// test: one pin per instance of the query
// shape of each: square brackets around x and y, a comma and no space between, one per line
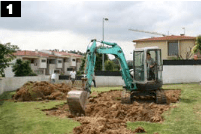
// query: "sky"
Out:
[71,25]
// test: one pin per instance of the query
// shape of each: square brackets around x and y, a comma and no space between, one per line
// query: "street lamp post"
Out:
[184,29]
[103,64]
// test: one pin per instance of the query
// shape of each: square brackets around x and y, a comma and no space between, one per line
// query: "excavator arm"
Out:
[115,50]
[77,99]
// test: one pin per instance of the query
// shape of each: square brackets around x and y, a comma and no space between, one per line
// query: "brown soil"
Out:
[140,130]
[35,91]
[106,115]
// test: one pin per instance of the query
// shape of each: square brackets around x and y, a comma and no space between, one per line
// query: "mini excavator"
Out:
[141,83]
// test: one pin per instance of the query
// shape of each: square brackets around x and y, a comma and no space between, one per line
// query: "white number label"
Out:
[10,8]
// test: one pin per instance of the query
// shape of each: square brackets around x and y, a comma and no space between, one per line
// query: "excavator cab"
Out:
[147,66]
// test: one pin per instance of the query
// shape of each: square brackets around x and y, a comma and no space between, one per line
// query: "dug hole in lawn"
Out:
[104,113]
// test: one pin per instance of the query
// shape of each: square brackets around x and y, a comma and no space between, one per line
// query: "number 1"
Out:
[10,8]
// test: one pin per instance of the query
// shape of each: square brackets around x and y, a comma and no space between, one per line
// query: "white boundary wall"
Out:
[13,83]
[181,73]
[109,81]
[171,74]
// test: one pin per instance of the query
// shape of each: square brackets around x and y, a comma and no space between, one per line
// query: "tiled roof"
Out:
[173,37]
[67,54]
[32,53]
[42,54]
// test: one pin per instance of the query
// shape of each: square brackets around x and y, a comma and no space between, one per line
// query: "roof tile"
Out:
[42,54]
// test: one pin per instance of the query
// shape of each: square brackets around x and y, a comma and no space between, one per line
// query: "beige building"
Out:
[171,46]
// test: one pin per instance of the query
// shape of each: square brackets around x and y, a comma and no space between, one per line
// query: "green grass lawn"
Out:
[184,119]
[27,117]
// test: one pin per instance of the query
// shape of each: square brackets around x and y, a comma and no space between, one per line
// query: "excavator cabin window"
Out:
[147,65]
[139,66]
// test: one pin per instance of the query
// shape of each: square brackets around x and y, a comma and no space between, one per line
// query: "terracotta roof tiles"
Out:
[67,54]
[31,53]
[42,54]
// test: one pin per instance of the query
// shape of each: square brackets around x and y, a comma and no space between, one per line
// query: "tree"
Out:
[109,65]
[117,64]
[197,47]
[82,64]
[6,56]
[98,65]
[22,68]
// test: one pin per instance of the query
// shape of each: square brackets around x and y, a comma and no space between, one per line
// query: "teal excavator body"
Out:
[137,85]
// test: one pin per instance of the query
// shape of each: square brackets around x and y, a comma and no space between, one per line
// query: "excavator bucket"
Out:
[76,101]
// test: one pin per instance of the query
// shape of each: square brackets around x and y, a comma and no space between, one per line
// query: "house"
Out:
[171,46]
[46,62]
[64,63]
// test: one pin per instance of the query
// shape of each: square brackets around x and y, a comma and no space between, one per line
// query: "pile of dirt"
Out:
[105,113]
[35,91]
[140,130]
[98,125]
[172,95]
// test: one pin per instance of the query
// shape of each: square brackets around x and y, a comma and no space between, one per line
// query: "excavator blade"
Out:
[76,101]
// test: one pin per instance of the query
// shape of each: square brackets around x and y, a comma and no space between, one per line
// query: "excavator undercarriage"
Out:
[158,96]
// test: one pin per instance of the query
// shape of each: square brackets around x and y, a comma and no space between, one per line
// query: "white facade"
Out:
[73,61]
[42,62]
[59,63]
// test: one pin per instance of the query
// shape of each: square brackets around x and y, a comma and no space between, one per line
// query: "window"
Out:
[139,65]
[59,61]
[139,58]
[69,69]
[43,60]
[57,71]
[32,60]
[173,48]
[73,59]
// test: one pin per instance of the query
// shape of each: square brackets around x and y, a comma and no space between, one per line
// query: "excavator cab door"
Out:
[154,65]
[147,66]
[139,66]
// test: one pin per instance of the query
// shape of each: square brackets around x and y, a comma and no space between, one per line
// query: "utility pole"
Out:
[103,64]
[184,29]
